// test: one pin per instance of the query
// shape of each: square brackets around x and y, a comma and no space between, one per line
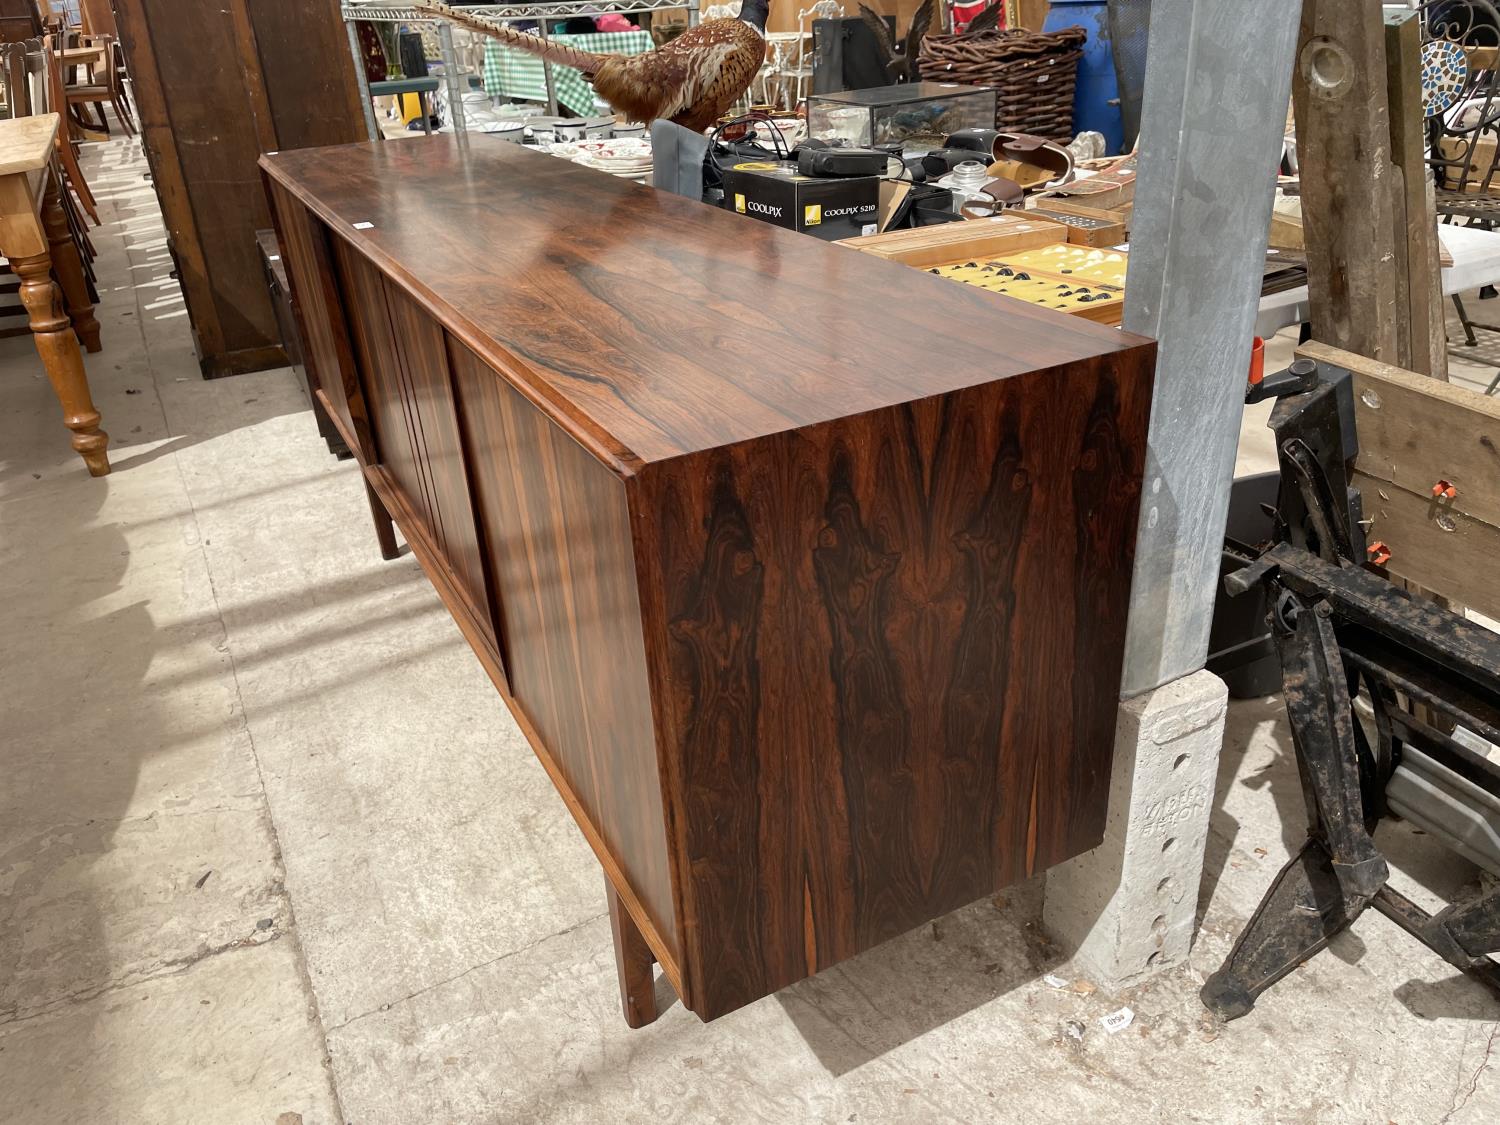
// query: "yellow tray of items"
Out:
[1016,262]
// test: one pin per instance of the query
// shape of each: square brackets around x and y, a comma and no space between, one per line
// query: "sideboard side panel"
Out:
[554,524]
[888,650]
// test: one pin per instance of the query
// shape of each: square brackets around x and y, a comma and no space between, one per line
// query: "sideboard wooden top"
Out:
[649,325]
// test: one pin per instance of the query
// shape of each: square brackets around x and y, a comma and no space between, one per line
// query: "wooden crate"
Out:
[1086,225]
[948,242]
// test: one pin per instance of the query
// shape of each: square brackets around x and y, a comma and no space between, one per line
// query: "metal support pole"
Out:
[456,82]
[692,12]
[545,33]
[364,83]
[1213,118]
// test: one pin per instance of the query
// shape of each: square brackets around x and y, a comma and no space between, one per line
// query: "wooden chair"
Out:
[99,25]
[52,98]
[98,88]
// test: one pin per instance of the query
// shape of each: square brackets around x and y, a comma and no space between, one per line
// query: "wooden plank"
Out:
[1031,14]
[394,445]
[319,73]
[202,76]
[252,75]
[1348,180]
[1421,336]
[1414,431]
[148,91]
[1433,544]
[423,347]
[935,245]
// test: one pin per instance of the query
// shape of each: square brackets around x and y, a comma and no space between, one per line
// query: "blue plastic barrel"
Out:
[1096,100]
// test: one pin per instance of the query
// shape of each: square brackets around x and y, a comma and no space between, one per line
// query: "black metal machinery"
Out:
[1429,679]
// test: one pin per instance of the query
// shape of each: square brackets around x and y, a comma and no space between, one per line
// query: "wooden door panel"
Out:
[319,310]
[424,350]
[554,522]
[395,447]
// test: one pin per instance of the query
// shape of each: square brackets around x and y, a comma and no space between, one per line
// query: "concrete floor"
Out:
[271,849]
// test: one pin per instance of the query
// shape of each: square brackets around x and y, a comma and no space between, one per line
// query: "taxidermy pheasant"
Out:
[900,61]
[692,80]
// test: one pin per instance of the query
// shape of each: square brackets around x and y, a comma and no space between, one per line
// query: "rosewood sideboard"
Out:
[804,573]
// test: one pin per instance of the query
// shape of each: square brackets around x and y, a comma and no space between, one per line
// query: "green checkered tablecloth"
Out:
[509,73]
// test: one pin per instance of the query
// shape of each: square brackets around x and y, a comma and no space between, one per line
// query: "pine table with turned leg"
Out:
[34,238]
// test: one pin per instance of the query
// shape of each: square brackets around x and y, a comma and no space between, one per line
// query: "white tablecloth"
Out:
[1476,262]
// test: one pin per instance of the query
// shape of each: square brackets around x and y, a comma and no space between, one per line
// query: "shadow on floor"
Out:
[897,992]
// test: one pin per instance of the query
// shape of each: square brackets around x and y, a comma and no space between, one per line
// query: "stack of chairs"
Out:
[31,83]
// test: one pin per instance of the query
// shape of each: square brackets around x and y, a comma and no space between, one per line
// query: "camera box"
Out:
[827,207]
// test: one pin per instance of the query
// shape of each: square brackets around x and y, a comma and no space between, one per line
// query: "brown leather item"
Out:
[1002,193]
[1030,161]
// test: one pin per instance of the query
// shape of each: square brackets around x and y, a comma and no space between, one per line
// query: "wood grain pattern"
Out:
[394,445]
[1349,184]
[864,724]
[648,325]
[1434,544]
[403,364]
[1414,431]
[557,534]
[318,306]
[808,571]
[633,962]
[311,93]
[434,420]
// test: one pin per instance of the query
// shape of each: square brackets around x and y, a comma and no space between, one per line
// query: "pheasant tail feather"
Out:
[586,61]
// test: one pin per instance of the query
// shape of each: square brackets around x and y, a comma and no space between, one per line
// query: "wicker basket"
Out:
[1033,74]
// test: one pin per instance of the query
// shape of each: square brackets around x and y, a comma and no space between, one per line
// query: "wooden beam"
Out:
[1442,550]
[1348,180]
[1414,431]
[1422,344]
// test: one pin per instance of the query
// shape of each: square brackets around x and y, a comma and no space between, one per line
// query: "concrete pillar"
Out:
[1126,908]
[1213,115]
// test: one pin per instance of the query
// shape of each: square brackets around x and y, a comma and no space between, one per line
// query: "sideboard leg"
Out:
[385,530]
[633,961]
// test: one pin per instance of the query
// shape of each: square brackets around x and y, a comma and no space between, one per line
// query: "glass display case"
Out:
[910,114]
